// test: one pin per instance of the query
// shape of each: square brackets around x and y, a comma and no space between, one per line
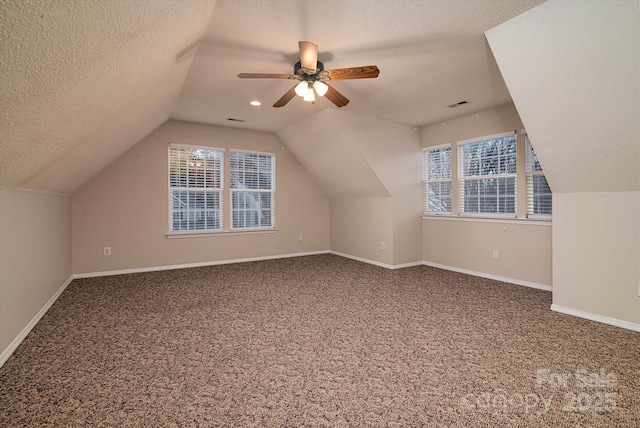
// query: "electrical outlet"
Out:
[382,246]
[496,254]
[299,238]
[106,251]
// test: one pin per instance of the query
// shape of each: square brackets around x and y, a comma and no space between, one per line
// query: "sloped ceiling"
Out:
[573,70]
[351,155]
[82,81]
[323,145]
[431,54]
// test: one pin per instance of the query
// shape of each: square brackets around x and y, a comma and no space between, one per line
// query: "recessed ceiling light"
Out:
[255,103]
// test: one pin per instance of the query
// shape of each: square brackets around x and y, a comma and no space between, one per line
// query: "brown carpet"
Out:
[317,341]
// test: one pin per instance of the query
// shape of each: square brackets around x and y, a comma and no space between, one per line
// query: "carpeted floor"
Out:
[317,341]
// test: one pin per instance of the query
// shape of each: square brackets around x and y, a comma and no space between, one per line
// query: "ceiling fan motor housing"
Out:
[299,71]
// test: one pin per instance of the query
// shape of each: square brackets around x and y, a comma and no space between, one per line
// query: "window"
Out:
[538,192]
[487,175]
[483,182]
[437,179]
[195,188]
[252,177]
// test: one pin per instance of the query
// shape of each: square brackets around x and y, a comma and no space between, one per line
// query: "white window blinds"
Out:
[252,179]
[487,175]
[437,179]
[195,188]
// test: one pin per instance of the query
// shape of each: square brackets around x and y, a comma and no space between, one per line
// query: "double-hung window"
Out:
[487,175]
[538,192]
[437,180]
[195,188]
[252,181]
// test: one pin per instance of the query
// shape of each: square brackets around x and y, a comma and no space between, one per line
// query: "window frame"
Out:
[427,181]
[530,173]
[219,190]
[460,145]
[271,191]
[521,214]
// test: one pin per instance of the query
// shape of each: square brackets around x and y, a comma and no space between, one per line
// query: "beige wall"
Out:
[360,225]
[596,253]
[372,170]
[572,70]
[35,256]
[486,122]
[394,153]
[525,248]
[126,207]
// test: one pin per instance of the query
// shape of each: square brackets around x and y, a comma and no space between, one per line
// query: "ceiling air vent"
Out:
[233,119]
[459,103]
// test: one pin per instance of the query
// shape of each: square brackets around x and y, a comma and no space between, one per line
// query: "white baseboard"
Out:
[375,262]
[595,317]
[4,356]
[406,265]
[544,287]
[192,265]
[363,260]
[230,261]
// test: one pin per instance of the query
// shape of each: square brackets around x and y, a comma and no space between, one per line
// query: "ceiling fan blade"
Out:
[335,97]
[308,55]
[286,97]
[364,72]
[263,76]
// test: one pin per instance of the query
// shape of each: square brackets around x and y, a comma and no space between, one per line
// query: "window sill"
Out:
[179,235]
[509,220]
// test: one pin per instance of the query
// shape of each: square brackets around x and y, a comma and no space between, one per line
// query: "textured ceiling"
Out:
[82,81]
[350,155]
[431,54]
[332,157]
[573,69]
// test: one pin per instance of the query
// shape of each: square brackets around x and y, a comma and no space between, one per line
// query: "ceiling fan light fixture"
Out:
[302,88]
[310,96]
[320,88]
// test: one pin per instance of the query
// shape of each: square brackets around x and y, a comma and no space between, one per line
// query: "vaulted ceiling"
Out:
[573,70]
[83,81]
[431,54]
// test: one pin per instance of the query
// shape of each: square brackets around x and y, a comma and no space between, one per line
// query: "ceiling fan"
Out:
[312,77]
